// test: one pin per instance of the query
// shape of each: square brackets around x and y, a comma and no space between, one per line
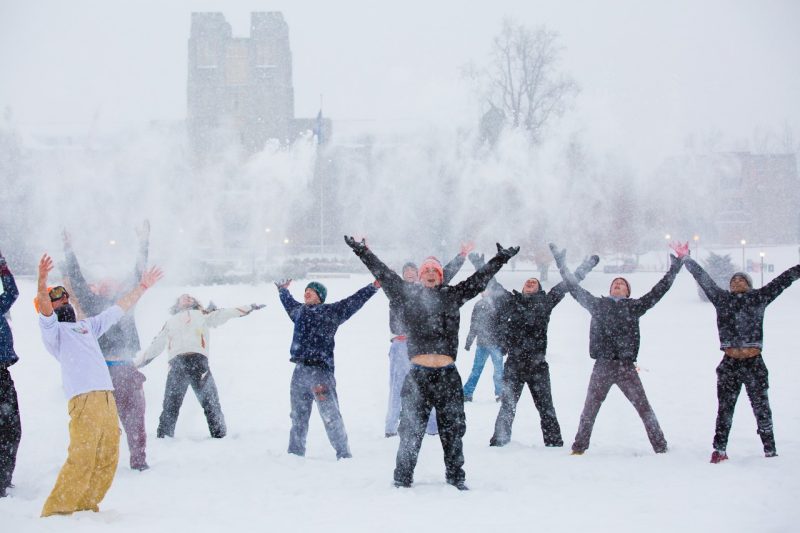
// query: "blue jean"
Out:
[399,365]
[482,353]
[316,384]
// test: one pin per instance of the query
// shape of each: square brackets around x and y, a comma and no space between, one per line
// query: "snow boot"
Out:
[718,456]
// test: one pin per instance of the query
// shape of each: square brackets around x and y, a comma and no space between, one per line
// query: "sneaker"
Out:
[390,435]
[467,398]
[771,453]
[718,456]
[497,399]
[402,484]
[460,485]
[576,452]
[141,468]
[346,455]
[661,450]
[496,442]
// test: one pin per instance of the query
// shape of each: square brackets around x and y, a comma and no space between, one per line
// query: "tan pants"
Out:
[92,457]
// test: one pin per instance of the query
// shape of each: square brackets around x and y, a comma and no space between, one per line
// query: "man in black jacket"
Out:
[740,320]
[432,316]
[523,321]
[10,427]
[614,345]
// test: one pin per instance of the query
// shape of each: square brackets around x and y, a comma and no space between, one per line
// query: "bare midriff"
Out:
[742,353]
[432,360]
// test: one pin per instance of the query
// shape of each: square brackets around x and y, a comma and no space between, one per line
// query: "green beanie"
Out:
[319,288]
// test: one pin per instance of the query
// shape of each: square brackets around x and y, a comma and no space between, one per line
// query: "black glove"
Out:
[256,307]
[588,264]
[466,347]
[559,255]
[283,283]
[507,253]
[211,306]
[477,260]
[359,247]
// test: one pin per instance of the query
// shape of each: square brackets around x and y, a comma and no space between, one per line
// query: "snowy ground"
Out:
[247,482]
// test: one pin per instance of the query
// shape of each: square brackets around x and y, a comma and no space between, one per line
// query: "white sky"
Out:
[651,72]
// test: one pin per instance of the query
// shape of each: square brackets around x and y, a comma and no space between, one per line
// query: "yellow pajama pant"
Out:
[92,457]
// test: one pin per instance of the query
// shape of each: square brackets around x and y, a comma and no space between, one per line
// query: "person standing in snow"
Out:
[315,326]
[432,316]
[523,320]
[483,327]
[94,431]
[740,323]
[10,425]
[398,352]
[614,345]
[119,344]
[187,339]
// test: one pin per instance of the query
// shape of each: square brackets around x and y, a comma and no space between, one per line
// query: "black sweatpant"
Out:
[753,374]
[424,389]
[535,372]
[184,370]
[10,427]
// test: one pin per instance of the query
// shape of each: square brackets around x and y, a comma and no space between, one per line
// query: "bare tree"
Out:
[522,79]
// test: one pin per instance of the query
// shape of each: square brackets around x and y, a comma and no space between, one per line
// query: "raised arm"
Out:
[149,278]
[157,346]
[10,291]
[581,295]
[477,282]
[45,305]
[143,233]
[478,261]
[391,282]
[288,302]
[709,286]
[89,301]
[772,290]
[561,289]
[220,316]
[346,308]
[451,269]
[658,291]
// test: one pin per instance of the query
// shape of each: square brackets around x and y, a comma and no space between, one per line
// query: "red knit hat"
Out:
[432,262]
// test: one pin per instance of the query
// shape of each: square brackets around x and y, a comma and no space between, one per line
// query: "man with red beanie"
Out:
[432,313]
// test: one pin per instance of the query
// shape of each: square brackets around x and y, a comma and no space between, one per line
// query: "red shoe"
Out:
[718,457]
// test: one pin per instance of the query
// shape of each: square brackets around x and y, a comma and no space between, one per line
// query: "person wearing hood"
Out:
[119,344]
[432,313]
[614,345]
[186,338]
[524,317]
[94,431]
[10,425]
[315,326]
[398,352]
[740,323]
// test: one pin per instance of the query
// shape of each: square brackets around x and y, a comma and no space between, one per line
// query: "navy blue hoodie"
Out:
[10,293]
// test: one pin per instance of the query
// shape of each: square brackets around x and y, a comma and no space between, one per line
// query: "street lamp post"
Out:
[667,237]
[744,242]
[762,268]
[696,239]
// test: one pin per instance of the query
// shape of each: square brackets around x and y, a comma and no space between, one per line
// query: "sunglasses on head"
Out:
[56,293]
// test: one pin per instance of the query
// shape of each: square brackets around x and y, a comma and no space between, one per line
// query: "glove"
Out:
[681,250]
[477,260]
[256,307]
[359,247]
[559,256]
[467,346]
[588,264]
[283,283]
[211,306]
[507,253]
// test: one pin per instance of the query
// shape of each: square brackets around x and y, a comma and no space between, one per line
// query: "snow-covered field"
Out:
[247,482]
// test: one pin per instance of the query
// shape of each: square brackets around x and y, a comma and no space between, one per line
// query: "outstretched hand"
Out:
[45,266]
[681,250]
[256,307]
[283,283]
[151,277]
[559,255]
[466,248]
[357,246]
[477,260]
[507,253]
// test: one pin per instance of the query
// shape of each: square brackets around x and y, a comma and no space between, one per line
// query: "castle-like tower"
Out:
[240,88]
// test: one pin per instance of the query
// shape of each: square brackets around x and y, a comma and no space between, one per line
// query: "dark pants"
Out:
[535,372]
[184,370]
[424,389]
[316,384]
[622,374]
[129,395]
[731,375]
[10,427]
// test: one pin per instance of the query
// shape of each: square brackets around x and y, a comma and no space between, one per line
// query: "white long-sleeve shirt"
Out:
[187,332]
[75,347]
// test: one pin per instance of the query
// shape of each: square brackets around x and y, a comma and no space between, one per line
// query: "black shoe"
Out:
[141,468]
[499,443]
[498,399]
[390,435]
[402,484]
[467,398]
[460,485]
[346,455]
[3,493]
[771,453]
[557,444]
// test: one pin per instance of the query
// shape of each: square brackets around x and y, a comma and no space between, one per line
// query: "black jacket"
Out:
[396,321]
[484,323]
[614,329]
[10,293]
[432,316]
[740,317]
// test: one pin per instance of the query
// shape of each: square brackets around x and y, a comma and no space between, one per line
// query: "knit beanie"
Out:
[626,284]
[432,262]
[745,276]
[319,288]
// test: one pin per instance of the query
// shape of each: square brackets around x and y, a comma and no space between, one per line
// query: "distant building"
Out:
[240,89]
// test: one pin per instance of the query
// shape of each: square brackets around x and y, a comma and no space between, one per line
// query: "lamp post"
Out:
[762,268]
[744,242]
[667,237]
[696,240]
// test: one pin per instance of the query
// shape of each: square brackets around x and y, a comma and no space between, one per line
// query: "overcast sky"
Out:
[651,72]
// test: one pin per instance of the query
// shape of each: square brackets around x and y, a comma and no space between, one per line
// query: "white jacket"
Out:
[187,332]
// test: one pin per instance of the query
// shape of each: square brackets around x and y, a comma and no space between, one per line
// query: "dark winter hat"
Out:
[626,284]
[319,288]
[745,276]
[409,265]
